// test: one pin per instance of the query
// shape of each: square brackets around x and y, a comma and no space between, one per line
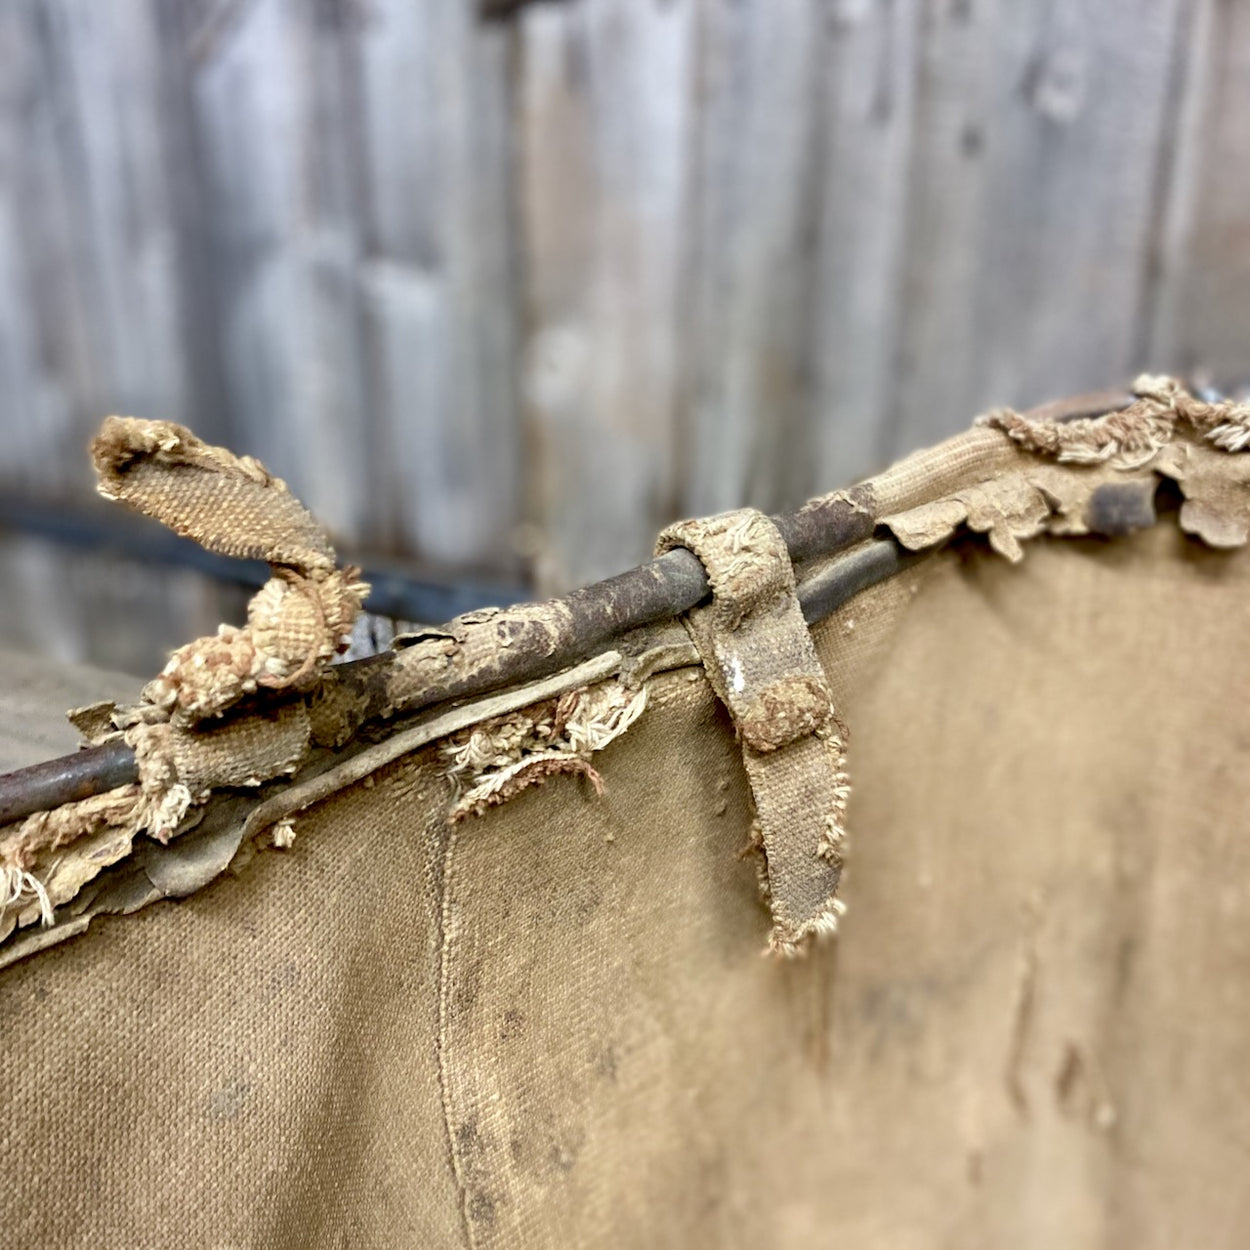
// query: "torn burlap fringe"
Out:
[1094,475]
[190,731]
[47,858]
[1130,438]
[499,758]
[762,662]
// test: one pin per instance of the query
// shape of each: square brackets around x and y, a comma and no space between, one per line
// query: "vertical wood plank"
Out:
[181,30]
[30,412]
[1031,202]
[603,132]
[754,178]
[268,100]
[89,309]
[1202,304]
[438,281]
[867,71]
[110,85]
[52,354]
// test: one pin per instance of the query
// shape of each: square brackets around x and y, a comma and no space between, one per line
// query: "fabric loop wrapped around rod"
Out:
[762,663]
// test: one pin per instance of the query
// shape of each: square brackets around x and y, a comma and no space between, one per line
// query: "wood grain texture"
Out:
[269,107]
[109,69]
[754,181]
[1202,306]
[1031,198]
[867,122]
[438,284]
[603,132]
[53,342]
[520,290]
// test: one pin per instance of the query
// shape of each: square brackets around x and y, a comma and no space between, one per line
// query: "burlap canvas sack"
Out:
[560,969]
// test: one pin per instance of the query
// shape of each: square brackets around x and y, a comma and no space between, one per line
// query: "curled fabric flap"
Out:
[190,732]
[762,663]
[1167,432]
[230,504]
[1089,475]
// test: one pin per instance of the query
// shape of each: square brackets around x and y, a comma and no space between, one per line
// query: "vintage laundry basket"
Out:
[524,934]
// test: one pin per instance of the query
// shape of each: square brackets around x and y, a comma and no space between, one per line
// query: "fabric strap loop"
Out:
[761,660]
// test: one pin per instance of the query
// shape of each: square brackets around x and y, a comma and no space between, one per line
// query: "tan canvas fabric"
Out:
[549,1022]
[552,1024]
[760,659]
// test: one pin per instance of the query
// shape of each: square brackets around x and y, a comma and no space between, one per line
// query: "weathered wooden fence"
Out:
[505,294]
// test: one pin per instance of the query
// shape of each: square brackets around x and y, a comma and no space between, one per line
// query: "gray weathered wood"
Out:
[487,292]
[603,133]
[111,135]
[1201,303]
[51,358]
[754,176]
[269,97]
[1031,198]
[438,281]
[867,123]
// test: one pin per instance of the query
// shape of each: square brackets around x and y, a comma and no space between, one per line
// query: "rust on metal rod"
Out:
[82,775]
[536,643]
[587,619]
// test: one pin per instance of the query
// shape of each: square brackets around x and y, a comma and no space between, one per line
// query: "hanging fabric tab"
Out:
[761,660]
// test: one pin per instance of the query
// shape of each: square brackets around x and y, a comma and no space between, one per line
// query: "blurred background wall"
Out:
[500,288]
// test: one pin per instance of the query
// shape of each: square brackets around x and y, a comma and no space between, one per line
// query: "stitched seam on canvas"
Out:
[444,992]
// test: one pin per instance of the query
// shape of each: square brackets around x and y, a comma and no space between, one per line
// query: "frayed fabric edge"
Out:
[493,761]
[1096,475]
[17,886]
[1202,427]
[793,943]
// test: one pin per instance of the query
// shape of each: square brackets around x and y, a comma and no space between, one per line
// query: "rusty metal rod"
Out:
[78,776]
[96,769]
[664,588]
